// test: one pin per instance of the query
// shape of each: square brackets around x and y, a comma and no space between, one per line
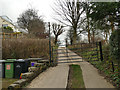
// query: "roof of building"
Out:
[23,30]
[6,18]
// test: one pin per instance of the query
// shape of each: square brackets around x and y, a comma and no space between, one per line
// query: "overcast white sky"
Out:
[13,8]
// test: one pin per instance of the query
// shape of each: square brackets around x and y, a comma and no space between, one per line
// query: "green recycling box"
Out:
[9,68]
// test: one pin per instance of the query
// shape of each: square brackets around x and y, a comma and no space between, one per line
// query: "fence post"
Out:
[97,50]
[119,69]
[16,35]
[113,66]
[101,54]
[52,55]
[3,36]
[10,35]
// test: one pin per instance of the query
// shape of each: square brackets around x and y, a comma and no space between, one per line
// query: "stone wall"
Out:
[29,76]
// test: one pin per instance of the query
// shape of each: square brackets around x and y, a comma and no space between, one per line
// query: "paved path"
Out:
[54,77]
[91,77]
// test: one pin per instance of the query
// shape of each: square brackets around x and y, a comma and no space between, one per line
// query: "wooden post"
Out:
[10,35]
[3,36]
[22,35]
[101,54]
[16,35]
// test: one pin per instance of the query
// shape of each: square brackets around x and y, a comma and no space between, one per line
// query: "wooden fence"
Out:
[11,35]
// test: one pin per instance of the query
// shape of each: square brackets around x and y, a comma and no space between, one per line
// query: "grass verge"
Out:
[75,79]
[104,67]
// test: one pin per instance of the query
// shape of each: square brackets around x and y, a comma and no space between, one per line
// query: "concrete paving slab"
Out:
[54,77]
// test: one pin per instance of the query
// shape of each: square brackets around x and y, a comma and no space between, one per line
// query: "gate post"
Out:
[101,54]
[113,66]
[97,50]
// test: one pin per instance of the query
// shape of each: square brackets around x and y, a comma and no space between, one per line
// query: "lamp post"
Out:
[48,25]
[49,42]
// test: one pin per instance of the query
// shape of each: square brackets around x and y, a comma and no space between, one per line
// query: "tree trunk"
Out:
[75,35]
[56,37]
[93,38]
[71,41]
[106,37]
[112,26]
[88,30]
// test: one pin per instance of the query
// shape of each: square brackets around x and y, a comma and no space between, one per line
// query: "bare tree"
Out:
[70,35]
[30,20]
[69,13]
[57,30]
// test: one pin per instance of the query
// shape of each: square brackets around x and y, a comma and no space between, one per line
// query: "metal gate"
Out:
[81,52]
